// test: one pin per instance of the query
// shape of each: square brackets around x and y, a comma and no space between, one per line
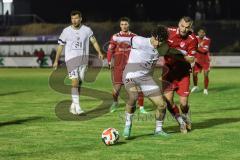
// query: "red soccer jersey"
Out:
[203,45]
[187,44]
[120,51]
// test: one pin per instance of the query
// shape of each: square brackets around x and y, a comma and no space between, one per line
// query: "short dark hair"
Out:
[126,19]
[187,19]
[202,28]
[160,32]
[76,12]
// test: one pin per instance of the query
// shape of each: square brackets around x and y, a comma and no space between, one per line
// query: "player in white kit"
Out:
[137,74]
[75,38]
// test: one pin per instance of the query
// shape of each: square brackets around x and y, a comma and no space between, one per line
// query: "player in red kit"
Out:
[176,70]
[202,60]
[120,52]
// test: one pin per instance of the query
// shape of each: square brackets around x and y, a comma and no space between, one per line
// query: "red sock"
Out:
[195,80]
[175,110]
[140,99]
[206,81]
[115,96]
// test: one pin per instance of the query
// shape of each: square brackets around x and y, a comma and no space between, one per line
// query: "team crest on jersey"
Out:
[182,44]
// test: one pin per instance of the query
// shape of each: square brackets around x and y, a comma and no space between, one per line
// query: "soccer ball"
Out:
[110,136]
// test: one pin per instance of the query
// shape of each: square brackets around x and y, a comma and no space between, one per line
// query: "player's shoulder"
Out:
[86,28]
[192,37]
[207,38]
[66,29]
[132,34]
[172,29]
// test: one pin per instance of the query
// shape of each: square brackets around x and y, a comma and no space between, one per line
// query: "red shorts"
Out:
[178,82]
[117,74]
[202,63]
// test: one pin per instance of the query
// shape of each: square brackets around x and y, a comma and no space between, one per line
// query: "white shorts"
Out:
[78,73]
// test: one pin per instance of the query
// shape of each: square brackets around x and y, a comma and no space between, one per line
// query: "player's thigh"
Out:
[197,68]
[158,100]
[75,82]
[148,86]
[132,90]
[117,75]
[183,86]
[169,96]
[183,100]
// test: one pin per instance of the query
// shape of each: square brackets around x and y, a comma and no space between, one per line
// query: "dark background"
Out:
[57,11]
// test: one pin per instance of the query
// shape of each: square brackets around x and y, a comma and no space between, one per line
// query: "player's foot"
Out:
[183,128]
[188,122]
[72,109]
[113,107]
[142,110]
[205,91]
[79,111]
[127,131]
[194,89]
[161,133]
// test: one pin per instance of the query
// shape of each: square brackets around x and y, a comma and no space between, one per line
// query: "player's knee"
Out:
[75,83]
[161,105]
[132,99]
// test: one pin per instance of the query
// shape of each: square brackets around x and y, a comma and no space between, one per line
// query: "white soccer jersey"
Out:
[76,41]
[142,56]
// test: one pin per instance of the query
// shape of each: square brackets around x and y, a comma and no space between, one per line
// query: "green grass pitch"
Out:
[30,129]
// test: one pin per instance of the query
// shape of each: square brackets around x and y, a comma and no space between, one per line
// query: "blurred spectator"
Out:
[190,10]
[209,10]
[40,55]
[53,55]
[140,11]
[200,11]
[217,7]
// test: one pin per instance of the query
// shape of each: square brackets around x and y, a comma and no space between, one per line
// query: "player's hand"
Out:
[100,55]
[189,59]
[55,65]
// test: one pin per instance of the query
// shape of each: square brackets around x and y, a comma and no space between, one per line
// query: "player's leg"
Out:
[152,91]
[206,81]
[160,104]
[115,94]
[185,111]
[196,69]
[75,107]
[132,92]
[174,110]
[117,84]
[141,103]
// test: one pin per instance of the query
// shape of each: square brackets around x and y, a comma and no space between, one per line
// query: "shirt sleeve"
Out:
[62,39]
[111,49]
[192,48]
[90,34]
[138,42]
[204,46]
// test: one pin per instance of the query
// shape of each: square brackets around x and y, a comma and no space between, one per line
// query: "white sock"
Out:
[180,120]
[115,102]
[141,107]
[129,118]
[75,97]
[159,125]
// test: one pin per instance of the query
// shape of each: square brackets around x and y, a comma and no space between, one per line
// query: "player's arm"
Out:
[96,46]
[110,52]
[191,51]
[58,55]
[203,47]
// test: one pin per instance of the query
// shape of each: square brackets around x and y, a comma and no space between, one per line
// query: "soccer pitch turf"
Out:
[30,129]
